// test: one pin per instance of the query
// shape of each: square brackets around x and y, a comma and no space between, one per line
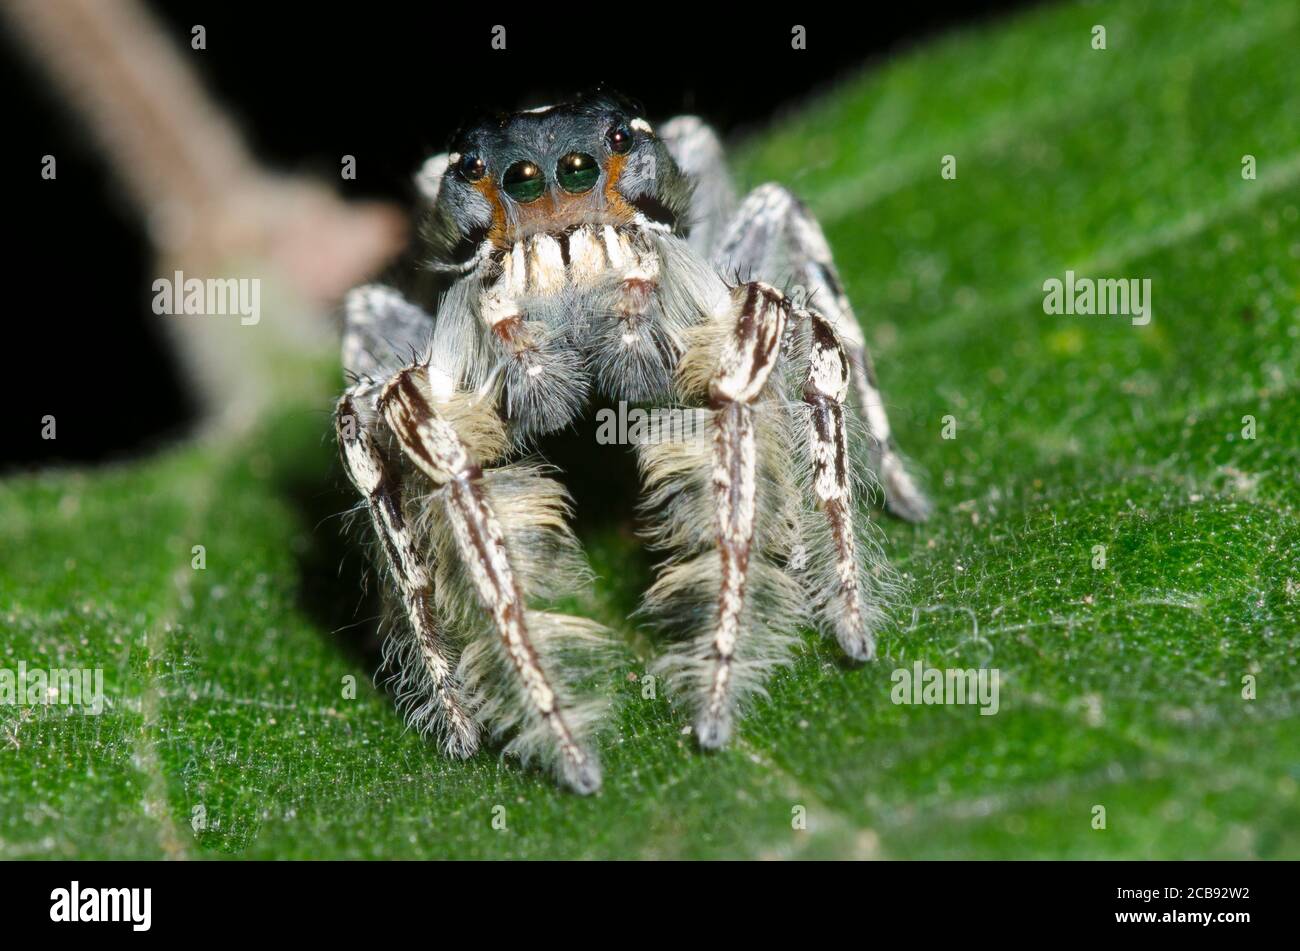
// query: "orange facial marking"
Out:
[554,212]
[488,189]
[614,200]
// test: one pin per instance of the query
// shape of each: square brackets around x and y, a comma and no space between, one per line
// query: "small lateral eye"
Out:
[472,167]
[524,182]
[577,172]
[619,138]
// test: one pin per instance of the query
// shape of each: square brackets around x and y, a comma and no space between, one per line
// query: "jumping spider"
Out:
[574,252]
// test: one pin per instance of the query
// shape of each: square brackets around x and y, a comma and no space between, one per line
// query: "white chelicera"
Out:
[574,253]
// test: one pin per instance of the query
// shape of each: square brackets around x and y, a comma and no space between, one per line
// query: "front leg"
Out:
[528,697]
[849,608]
[762,514]
[469,544]
[775,235]
[725,505]
[747,362]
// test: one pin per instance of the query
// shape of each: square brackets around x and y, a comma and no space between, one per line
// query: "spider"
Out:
[571,254]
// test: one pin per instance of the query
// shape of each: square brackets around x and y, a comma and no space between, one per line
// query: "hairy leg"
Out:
[838,552]
[698,152]
[550,725]
[381,330]
[774,235]
[490,540]
[429,687]
[760,513]
[747,361]
[723,504]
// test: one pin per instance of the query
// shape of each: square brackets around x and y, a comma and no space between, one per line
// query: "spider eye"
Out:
[524,182]
[577,172]
[472,167]
[619,139]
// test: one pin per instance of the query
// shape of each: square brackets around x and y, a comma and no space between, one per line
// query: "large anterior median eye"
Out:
[524,182]
[577,172]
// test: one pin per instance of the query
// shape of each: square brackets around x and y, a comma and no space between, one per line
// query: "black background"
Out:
[914,904]
[386,83]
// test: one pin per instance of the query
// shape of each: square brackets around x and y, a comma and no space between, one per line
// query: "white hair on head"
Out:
[429,178]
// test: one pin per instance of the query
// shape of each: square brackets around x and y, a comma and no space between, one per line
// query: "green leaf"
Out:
[1120,686]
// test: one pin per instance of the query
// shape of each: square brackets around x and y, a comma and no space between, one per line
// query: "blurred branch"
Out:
[206,200]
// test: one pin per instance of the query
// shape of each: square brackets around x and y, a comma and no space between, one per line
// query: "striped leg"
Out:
[549,726]
[775,477]
[429,687]
[774,234]
[746,362]
[848,610]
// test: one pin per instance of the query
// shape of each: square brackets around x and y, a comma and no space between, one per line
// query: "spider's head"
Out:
[594,160]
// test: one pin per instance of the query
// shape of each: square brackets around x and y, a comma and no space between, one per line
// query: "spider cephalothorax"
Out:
[580,255]
[591,162]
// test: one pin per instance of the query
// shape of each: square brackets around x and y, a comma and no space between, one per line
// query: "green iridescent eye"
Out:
[577,172]
[524,182]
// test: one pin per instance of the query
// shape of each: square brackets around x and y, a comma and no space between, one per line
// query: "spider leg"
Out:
[747,360]
[848,609]
[378,324]
[696,149]
[774,476]
[445,706]
[467,546]
[551,725]
[774,234]
[722,508]
[381,329]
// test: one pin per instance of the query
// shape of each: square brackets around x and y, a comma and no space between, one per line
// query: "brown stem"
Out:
[208,203]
